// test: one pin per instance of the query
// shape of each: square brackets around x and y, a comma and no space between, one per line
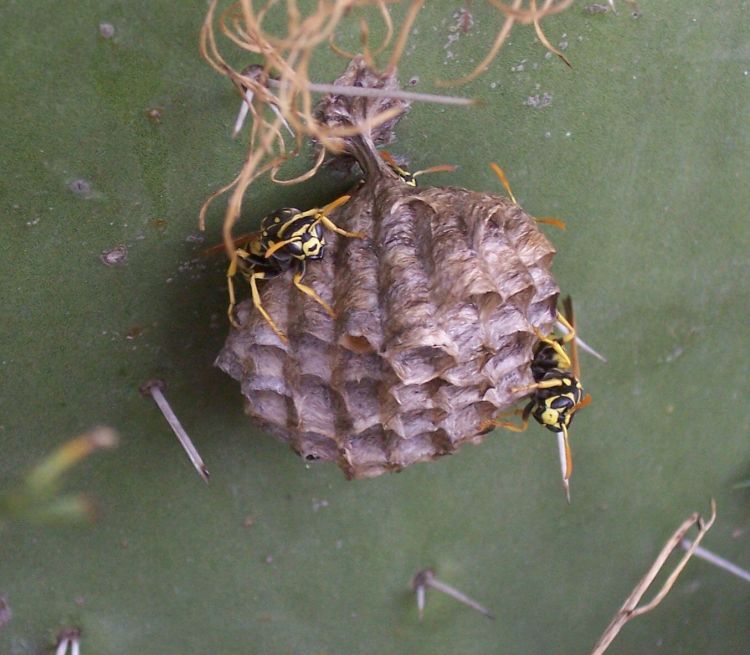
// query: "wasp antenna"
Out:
[504,181]
[278,246]
[388,158]
[405,175]
[551,220]
[442,168]
[341,200]
[241,240]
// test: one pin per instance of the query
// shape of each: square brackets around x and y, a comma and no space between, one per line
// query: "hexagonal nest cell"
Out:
[435,315]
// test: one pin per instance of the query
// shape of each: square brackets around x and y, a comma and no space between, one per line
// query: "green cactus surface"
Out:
[114,138]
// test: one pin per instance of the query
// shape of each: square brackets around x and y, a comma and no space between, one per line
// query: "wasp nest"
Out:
[435,315]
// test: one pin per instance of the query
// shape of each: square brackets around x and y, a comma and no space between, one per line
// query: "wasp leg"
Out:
[565,361]
[309,291]
[571,334]
[584,403]
[238,242]
[442,168]
[524,413]
[544,384]
[325,209]
[278,246]
[252,277]
[330,225]
[231,272]
[320,215]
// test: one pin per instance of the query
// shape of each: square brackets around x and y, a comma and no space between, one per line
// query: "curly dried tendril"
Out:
[516,13]
[277,94]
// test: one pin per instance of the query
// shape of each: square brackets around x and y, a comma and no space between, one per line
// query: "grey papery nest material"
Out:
[435,316]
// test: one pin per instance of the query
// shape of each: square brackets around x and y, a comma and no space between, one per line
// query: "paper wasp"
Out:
[411,178]
[288,239]
[556,394]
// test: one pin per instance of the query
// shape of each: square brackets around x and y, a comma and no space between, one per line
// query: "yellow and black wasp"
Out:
[408,177]
[288,239]
[556,394]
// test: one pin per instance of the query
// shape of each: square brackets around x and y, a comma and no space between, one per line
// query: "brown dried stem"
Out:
[630,608]
[282,82]
[403,36]
[286,61]
[515,13]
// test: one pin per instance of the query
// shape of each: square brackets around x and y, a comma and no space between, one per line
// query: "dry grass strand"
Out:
[630,608]
[515,13]
[282,82]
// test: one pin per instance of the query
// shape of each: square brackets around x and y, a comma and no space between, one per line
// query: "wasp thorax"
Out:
[432,328]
